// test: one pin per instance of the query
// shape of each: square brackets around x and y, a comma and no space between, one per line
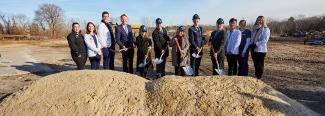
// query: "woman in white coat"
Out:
[93,46]
[258,45]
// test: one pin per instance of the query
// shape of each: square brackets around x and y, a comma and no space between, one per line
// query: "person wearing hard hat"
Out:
[180,51]
[144,45]
[243,58]
[195,34]
[160,39]
[232,47]
[217,44]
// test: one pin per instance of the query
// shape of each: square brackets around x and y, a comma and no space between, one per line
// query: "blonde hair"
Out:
[263,20]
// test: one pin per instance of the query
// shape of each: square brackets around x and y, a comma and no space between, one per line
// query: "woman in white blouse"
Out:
[258,44]
[93,46]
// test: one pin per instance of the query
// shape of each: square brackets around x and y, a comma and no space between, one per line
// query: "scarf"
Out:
[257,32]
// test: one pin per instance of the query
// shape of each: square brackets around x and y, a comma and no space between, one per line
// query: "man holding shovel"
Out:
[124,38]
[195,34]
[160,39]
[217,44]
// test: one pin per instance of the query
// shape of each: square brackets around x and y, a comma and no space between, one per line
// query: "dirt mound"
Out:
[79,93]
[220,96]
[115,93]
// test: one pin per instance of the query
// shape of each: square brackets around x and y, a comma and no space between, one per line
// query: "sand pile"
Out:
[116,93]
[79,93]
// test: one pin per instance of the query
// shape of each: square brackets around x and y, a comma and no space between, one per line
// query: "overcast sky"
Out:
[175,12]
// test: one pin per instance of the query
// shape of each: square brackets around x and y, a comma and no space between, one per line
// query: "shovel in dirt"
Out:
[188,70]
[143,64]
[219,70]
[146,60]
[159,60]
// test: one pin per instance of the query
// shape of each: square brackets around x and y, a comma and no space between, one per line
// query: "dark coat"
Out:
[76,43]
[142,45]
[245,35]
[218,41]
[123,38]
[196,38]
[160,39]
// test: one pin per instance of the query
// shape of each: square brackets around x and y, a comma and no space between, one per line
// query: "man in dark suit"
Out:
[160,39]
[124,38]
[195,34]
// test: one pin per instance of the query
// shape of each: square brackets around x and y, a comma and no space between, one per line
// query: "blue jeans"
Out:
[106,58]
[95,62]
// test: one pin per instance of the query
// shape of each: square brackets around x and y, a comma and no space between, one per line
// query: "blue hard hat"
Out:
[143,28]
[181,28]
[220,21]
[196,16]
[158,21]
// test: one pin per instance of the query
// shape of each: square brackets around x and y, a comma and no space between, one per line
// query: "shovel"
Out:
[146,61]
[188,69]
[218,69]
[144,64]
[197,55]
[160,60]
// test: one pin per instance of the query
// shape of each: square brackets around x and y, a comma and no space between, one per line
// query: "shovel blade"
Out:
[188,70]
[159,61]
[141,65]
[220,71]
[196,55]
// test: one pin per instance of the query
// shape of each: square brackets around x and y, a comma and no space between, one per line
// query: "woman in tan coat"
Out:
[180,46]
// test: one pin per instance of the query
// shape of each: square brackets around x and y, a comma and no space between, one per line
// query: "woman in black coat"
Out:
[77,46]
[144,46]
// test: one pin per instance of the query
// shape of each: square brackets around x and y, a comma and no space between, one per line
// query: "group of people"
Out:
[234,43]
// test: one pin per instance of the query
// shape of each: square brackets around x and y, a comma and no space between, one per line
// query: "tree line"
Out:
[50,21]
[300,23]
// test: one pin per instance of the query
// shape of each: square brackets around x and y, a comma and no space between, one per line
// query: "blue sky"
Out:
[173,12]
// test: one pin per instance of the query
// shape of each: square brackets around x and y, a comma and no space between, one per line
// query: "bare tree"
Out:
[7,23]
[50,15]
[146,21]
[2,31]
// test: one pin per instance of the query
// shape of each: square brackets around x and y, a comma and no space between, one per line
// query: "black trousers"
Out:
[128,61]
[161,68]
[243,65]
[95,62]
[220,59]
[258,59]
[195,64]
[232,64]
[178,69]
[112,57]
[143,70]
[80,60]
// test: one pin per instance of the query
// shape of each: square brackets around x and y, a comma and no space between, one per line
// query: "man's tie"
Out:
[126,29]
